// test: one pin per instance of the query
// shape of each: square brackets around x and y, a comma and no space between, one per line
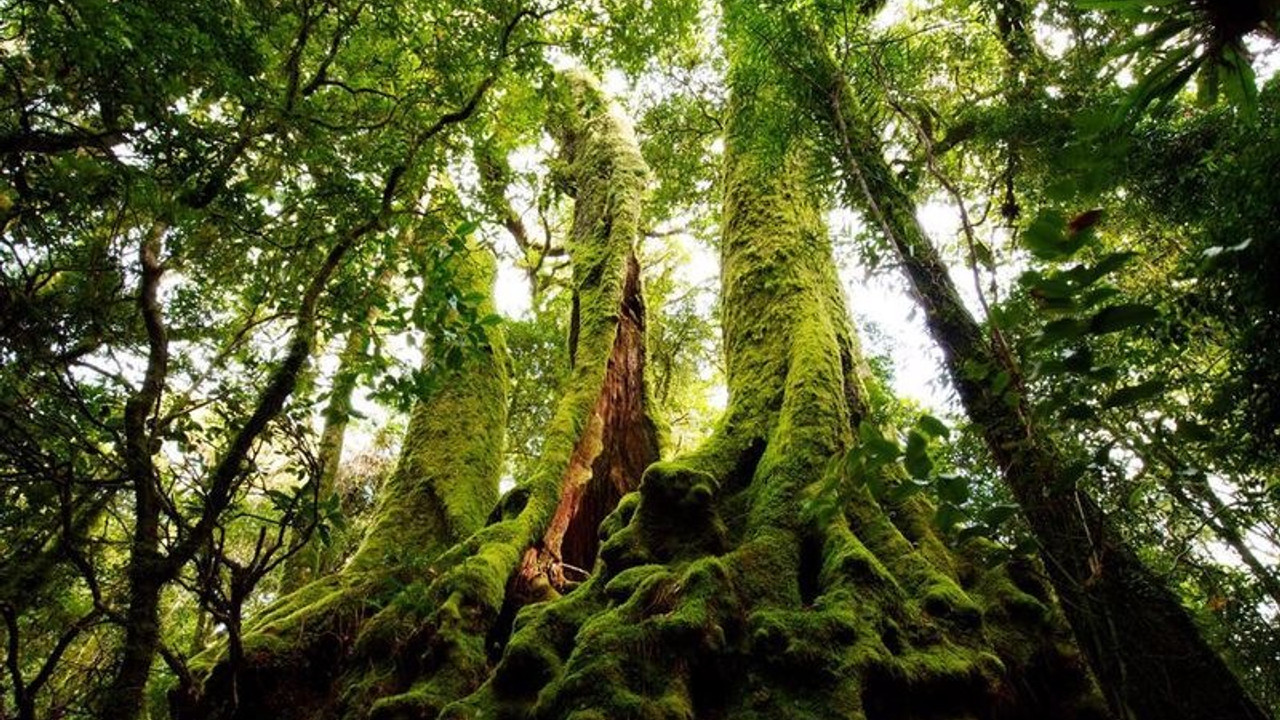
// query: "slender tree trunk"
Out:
[311,559]
[1151,660]
[146,573]
[1219,517]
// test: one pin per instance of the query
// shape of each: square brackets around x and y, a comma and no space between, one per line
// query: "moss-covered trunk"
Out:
[708,592]
[1152,662]
[309,558]
[411,622]
[715,594]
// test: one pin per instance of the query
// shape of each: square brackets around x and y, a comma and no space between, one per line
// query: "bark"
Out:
[309,559]
[150,569]
[1148,655]
[144,576]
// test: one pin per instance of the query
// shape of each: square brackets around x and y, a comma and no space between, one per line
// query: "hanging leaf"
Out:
[1046,236]
[1134,393]
[1062,329]
[933,426]
[917,460]
[953,488]
[947,516]
[1115,318]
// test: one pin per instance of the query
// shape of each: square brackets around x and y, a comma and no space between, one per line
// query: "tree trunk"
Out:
[714,594]
[1150,659]
[311,559]
[146,572]
[406,627]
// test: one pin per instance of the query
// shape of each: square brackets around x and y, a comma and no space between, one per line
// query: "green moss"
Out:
[445,484]
[716,595]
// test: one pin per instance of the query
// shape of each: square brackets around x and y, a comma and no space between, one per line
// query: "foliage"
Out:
[200,200]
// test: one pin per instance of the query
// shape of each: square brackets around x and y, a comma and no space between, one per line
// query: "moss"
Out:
[445,483]
[707,602]
[715,594]
[439,623]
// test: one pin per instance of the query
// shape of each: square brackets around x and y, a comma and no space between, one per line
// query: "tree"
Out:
[713,563]
[807,559]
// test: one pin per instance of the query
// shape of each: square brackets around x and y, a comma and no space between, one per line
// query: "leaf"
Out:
[1046,235]
[996,515]
[1077,411]
[1077,360]
[933,426]
[917,459]
[875,484]
[1000,382]
[1063,329]
[1026,546]
[953,488]
[877,448]
[906,489]
[1084,221]
[1115,318]
[1194,431]
[1134,393]
[1050,287]
[1160,83]
[1239,82]
[465,228]
[984,256]
[279,499]
[973,531]
[1082,276]
[948,516]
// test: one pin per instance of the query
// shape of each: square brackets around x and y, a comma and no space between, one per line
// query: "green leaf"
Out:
[877,448]
[983,255]
[1001,382]
[953,488]
[1115,318]
[1046,235]
[1026,547]
[973,531]
[1078,360]
[906,489]
[996,515]
[1194,431]
[1062,329]
[917,459]
[1077,411]
[1082,276]
[1239,82]
[947,516]
[1134,393]
[933,427]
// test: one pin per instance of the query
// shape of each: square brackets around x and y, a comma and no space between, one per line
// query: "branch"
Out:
[43,142]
